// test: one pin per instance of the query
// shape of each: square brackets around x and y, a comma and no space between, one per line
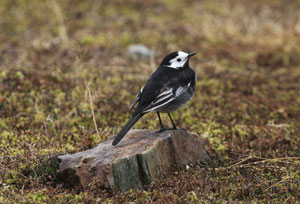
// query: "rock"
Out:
[139,51]
[136,161]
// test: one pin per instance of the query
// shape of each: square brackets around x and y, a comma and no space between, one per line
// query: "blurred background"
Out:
[59,57]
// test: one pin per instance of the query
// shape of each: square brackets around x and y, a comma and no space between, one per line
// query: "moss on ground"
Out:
[246,107]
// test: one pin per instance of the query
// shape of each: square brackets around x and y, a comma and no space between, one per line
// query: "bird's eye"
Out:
[178,60]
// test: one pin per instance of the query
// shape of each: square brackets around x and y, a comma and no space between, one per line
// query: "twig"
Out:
[276,183]
[274,159]
[92,110]
[262,161]
[272,124]
[243,160]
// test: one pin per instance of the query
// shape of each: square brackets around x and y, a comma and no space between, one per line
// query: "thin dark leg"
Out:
[174,126]
[161,125]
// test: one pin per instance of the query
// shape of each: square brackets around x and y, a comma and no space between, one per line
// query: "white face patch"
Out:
[179,61]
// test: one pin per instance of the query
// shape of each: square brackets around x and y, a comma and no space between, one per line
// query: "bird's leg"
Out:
[174,126]
[161,125]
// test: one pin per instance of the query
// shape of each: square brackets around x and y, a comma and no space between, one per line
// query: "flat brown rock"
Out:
[136,161]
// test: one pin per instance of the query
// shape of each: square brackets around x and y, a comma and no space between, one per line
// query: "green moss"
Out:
[245,109]
[96,40]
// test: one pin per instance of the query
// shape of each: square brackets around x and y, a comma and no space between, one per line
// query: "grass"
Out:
[246,107]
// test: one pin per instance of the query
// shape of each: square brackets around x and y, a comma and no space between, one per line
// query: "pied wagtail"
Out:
[170,87]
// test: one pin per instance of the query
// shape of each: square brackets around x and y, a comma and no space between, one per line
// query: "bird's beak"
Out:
[191,54]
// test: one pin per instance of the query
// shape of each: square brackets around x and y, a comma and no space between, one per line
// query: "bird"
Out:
[171,86]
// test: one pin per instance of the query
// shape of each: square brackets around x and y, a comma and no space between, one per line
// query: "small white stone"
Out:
[139,51]
[187,167]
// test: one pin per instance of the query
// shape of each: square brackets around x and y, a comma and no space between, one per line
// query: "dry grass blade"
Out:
[275,184]
[262,161]
[92,110]
[243,160]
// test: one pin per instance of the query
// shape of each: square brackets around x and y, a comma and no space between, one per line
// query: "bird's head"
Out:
[177,60]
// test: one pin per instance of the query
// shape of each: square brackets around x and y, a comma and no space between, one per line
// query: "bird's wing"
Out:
[164,85]
[167,95]
[151,89]
[137,98]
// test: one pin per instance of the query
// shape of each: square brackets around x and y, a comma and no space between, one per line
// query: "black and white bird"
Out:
[170,87]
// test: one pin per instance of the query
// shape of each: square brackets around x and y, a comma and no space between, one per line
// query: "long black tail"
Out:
[126,128]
